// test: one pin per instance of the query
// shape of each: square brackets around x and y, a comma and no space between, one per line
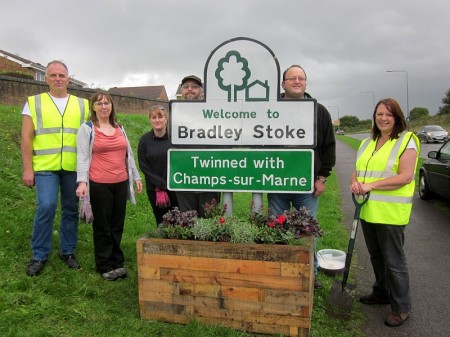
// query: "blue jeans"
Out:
[48,186]
[280,202]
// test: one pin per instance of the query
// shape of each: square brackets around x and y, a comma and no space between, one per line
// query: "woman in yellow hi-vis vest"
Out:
[385,167]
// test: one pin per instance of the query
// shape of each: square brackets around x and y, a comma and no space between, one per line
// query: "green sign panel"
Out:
[255,170]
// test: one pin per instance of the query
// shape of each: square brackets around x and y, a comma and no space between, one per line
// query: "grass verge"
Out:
[62,302]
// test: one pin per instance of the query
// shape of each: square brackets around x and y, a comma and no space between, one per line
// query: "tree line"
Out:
[352,122]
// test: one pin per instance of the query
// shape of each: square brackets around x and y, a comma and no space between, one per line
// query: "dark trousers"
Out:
[158,212]
[385,246]
[108,206]
[194,201]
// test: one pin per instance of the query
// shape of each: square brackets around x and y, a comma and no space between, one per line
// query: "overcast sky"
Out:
[345,46]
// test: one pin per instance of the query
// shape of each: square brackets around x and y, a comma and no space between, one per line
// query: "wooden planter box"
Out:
[256,288]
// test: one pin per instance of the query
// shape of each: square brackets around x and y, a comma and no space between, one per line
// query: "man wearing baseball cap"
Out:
[192,89]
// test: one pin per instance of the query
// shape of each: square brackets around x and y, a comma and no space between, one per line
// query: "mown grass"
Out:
[62,302]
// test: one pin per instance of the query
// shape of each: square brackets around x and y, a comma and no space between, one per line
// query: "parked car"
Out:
[340,132]
[434,175]
[432,133]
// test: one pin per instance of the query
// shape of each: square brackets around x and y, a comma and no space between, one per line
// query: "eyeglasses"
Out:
[102,103]
[192,86]
[295,78]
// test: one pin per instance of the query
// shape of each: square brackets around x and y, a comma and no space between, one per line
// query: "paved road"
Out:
[428,254]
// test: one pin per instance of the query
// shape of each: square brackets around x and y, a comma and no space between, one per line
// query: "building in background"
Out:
[16,66]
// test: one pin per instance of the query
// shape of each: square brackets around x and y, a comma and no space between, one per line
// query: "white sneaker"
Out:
[121,272]
[110,275]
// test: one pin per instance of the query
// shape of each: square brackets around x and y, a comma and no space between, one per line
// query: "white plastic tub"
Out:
[331,261]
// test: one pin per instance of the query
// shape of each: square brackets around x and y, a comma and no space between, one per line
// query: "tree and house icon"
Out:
[227,68]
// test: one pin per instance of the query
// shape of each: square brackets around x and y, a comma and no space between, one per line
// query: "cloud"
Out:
[345,46]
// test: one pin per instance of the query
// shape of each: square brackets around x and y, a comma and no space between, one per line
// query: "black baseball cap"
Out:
[192,78]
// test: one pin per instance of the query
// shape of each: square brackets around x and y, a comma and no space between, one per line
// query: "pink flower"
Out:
[271,225]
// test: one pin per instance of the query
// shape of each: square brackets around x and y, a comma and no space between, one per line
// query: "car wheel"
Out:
[424,189]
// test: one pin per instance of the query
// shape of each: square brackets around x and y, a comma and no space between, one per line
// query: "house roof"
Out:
[33,65]
[146,92]
[22,61]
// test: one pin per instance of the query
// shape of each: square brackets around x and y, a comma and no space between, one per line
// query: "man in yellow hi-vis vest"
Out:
[50,122]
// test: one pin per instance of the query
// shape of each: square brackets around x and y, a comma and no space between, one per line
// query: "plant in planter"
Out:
[260,227]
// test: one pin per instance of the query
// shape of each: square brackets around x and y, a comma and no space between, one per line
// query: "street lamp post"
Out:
[335,106]
[407,92]
[339,120]
[373,96]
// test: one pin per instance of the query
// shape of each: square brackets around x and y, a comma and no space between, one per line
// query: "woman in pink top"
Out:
[106,171]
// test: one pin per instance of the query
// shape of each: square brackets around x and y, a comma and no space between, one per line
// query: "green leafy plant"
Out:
[261,227]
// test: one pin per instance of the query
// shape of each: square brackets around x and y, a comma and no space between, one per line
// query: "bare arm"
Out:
[319,186]
[26,147]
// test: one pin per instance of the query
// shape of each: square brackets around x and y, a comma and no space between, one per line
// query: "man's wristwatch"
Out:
[322,179]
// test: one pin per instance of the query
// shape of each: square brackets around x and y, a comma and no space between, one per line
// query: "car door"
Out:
[439,172]
[422,134]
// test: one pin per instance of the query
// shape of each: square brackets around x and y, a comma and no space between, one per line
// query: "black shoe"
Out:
[35,267]
[372,299]
[394,319]
[317,284]
[70,260]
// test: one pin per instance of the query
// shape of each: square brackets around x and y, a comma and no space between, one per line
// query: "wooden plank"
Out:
[239,305]
[252,316]
[169,308]
[244,293]
[151,314]
[263,307]
[199,290]
[225,250]
[233,279]
[220,265]
[295,269]
[155,290]
[288,320]
[287,297]
[149,272]
[246,326]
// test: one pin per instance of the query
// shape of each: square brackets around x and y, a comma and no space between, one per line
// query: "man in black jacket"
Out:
[192,89]
[294,85]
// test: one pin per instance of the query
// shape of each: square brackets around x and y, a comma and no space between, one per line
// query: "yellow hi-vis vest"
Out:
[54,143]
[385,207]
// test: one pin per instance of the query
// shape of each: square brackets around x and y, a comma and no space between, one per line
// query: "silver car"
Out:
[432,133]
